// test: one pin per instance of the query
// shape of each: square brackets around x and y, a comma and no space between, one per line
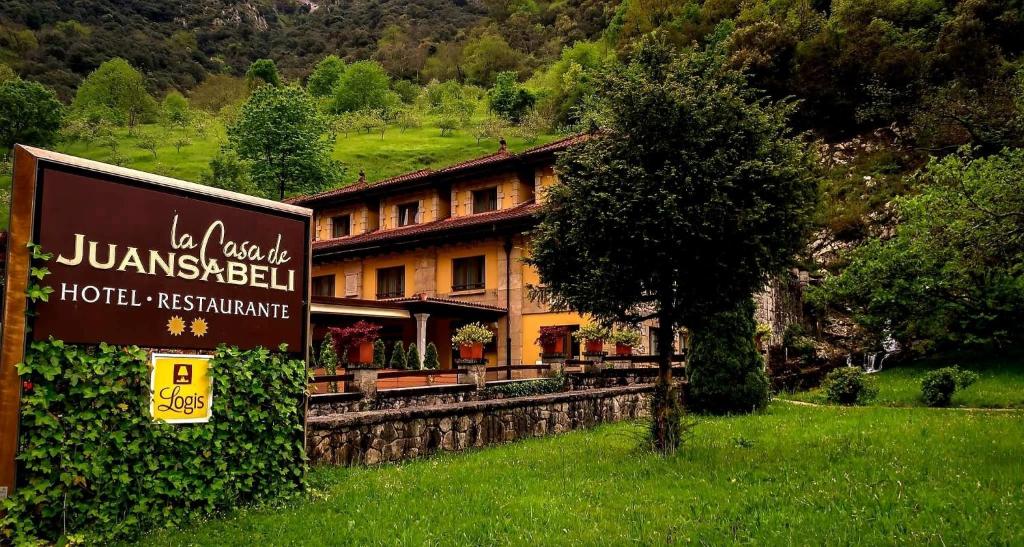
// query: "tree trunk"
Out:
[665,412]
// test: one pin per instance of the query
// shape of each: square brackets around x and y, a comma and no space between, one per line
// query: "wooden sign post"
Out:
[140,259]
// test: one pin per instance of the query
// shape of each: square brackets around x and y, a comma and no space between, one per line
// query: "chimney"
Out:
[502,145]
[362,176]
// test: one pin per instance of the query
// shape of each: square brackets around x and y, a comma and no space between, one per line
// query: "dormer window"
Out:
[485,200]
[407,213]
[340,226]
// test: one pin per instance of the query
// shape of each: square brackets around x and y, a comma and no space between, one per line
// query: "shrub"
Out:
[849,386]
[412,358]
[473,333]
[378,354]
[94,463]
[938,386]
[527,387]
[430,361]
[726,373]
[328,360]
[398,356]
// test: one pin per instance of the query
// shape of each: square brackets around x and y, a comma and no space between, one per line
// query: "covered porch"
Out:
[414,320]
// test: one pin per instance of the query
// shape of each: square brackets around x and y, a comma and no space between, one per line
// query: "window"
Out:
[391,282]
[485,200]
[323,285]
[340,226]
[468,273]
[407,213]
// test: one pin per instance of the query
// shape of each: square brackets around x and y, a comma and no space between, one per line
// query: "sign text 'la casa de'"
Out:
[140,259]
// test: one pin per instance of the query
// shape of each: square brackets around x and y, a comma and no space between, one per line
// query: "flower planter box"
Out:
[556,348]
[623,350]
[594,347]
[471,351]
[361,353]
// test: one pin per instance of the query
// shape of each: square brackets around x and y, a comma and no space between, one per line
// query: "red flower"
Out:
[27,385]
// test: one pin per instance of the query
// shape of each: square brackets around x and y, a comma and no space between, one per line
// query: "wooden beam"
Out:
[12,351]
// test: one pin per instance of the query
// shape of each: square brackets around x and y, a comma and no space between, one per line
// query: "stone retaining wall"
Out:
[397,434]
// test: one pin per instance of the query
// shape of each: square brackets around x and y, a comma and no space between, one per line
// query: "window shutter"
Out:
[352,284]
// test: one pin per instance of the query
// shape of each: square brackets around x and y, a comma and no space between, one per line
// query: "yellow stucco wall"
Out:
[325,217]
[508,193]
[531,329]
[545,177]
[389,208]
[446,254]
[371,265]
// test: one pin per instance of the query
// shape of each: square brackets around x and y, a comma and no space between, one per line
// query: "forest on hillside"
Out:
[912,105]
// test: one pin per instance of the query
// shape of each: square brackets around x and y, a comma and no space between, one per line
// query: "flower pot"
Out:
[361,353]
[471,351]
[554,348]
[595,346]
[623,350]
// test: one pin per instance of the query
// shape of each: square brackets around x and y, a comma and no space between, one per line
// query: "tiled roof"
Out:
[554,146]
[523,210]
[495,158]
[359,186]
[447,301]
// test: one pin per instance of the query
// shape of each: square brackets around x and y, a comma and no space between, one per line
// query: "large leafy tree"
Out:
[117,89]
[691,195]
[263,71]
[283,136]
[953,272]
[29,114]
[364,85]
[325,76]
[508,98]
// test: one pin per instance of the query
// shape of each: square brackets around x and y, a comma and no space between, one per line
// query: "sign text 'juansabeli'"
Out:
[138,265]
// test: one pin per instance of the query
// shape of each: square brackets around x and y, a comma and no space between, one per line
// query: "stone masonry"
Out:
[393,435]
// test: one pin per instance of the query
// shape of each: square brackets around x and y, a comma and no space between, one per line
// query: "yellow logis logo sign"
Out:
[182,390]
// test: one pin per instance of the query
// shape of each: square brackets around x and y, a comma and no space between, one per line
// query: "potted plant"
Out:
[593,336]
[552,341]
[470,340]
[625,341]
[356,341]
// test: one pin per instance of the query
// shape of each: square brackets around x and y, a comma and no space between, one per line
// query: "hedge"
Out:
[94,466]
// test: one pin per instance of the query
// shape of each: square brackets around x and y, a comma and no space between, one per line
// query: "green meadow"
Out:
[792,475]
[1000,382]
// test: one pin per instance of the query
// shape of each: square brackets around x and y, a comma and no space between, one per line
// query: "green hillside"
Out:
[395,153]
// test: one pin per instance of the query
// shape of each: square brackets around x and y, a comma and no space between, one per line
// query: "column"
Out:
[421,335]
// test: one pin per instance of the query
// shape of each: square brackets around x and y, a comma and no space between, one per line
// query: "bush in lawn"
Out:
[379,353]
[430,361]
[938,386]
[849,386]
[726,373]
[412,357]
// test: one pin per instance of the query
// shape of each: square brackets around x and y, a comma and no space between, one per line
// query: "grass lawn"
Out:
[794,475]
[1000,383]
[398,152]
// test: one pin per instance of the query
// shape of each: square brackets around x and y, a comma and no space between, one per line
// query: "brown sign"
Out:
[145,260]
[157,267]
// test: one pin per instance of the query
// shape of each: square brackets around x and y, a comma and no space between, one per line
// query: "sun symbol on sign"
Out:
[199,326]
[175,325]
